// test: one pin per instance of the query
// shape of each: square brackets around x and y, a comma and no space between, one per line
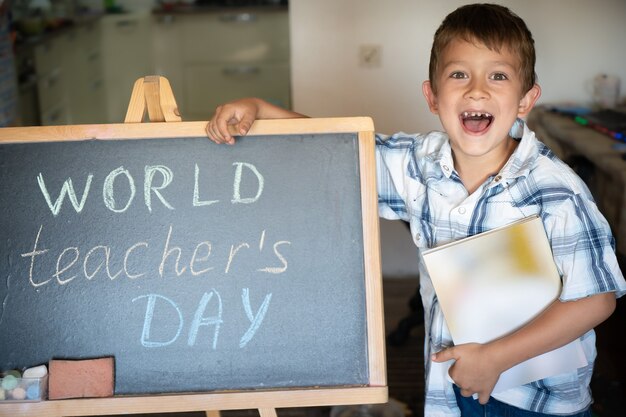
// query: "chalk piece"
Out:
[9,382]
[36,372]
[80,378]
[33,392]
[18,393]
[16,373]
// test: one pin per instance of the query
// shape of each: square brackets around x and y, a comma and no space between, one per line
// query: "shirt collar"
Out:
[446,163]
[518,165]
[524,156]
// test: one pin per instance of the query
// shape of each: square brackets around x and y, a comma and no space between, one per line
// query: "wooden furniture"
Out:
[152,95]
[69,76]
[595,156]
[212,56]
[126,55]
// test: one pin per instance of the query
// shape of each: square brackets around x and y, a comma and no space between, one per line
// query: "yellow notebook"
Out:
[490,284]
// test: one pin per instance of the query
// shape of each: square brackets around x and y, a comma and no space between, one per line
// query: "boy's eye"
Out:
[458,75]
[499,76]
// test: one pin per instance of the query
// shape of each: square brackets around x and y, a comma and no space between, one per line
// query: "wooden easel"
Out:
[153,95]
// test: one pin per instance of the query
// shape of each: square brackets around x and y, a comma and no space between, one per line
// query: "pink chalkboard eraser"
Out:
[86,378]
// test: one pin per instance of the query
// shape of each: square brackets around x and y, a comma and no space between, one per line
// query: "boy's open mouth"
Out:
[476,122]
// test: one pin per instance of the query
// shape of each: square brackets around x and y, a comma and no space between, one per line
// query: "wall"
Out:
[575,40]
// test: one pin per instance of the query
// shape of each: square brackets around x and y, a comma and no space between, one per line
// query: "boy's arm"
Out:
[478,366]
[236,117]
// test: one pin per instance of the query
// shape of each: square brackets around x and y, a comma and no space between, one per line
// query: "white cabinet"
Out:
[51,81]
[127,56]
[86,73]
[69,77]
[85,82]
[214,57]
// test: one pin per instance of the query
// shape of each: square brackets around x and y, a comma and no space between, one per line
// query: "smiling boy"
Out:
[478,94]
[487,170]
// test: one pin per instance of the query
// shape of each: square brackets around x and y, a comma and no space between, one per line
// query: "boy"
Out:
[487,170]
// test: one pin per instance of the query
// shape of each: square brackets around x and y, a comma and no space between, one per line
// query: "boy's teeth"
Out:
[476,121]
[475,114]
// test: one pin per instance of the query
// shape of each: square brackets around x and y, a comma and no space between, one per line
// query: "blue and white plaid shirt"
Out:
[417,183]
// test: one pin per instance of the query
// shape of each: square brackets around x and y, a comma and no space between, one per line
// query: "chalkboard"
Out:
[199,267]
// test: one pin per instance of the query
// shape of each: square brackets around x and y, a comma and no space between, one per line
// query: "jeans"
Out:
[494,408]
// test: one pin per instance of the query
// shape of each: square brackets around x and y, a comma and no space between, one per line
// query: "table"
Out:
[595,156]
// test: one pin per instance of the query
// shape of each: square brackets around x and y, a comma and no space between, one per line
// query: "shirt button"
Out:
[461,210]
[498,178]
[445,168]
[418,236]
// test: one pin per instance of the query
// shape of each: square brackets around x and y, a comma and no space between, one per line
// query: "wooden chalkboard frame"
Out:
[375,391]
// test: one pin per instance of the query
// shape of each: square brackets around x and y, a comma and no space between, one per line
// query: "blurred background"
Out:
[324,57]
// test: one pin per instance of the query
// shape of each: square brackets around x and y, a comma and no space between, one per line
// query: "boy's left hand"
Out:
[473,371]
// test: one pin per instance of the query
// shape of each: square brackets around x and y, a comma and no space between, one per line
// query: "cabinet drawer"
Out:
[90,61]
[89,34]
[127,45]
[84,54]
[127,39]
[235,37]
[89,106]
[207,86]
[57,115]
[49,54]
[51,89]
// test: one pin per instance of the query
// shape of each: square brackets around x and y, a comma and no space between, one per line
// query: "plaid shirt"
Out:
[417,183]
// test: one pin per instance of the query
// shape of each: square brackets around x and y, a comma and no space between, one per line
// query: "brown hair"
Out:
[494,26]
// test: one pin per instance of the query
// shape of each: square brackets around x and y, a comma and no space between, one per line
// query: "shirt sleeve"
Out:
[392,154]
[584,249]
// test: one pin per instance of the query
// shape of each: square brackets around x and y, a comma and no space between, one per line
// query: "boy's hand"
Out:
[474,369]
[235,116]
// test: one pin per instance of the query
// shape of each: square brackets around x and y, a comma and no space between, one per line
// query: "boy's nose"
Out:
[477,90]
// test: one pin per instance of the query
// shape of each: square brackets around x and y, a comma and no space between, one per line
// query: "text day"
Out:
[213,319]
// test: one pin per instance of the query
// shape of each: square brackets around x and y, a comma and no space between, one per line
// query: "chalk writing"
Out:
[68,188]
[119,191]
[201,318]
[255,320]
[147,323]
[196,191]
[151,187]
[99,259]
[237,184]
[107,189]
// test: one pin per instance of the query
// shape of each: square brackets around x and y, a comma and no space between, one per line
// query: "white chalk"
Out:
[18,393]
[35,372]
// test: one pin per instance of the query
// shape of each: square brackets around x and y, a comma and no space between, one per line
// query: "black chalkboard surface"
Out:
[199,267]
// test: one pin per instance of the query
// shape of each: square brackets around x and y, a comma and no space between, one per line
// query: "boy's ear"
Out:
[431,98]
[527,102]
